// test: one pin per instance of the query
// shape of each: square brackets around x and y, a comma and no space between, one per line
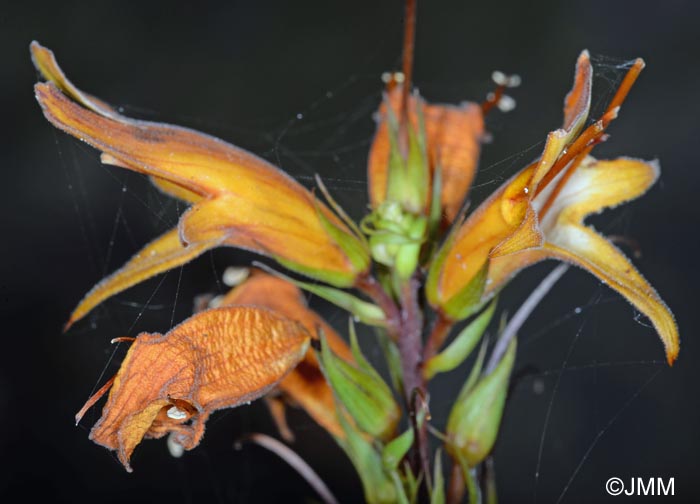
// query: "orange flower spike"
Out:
[216,359]
[305,385]
[453,136]
[538,214]
[239,199]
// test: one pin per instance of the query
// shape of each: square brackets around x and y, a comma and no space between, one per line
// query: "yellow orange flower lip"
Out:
[237,199]
[539,214]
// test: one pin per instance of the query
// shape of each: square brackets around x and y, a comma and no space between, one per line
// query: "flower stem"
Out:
[410,345]
[441,328]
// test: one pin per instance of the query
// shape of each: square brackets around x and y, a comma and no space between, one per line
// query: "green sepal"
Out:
[468,300]
[394,452]
[417,169]
[438,261]
[475,418]
[411,482]
[392,358]
[395,237]
[364,311]
[490,490]
[354,248]
[408,178]
[438,494]
[408,255]
[340,211]
[461,347]
[377,485]
[333,278]
[401,497]
[474,373]
[362,391]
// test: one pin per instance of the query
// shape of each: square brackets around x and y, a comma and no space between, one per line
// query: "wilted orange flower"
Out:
[172,382]
[306,385]
[538,214]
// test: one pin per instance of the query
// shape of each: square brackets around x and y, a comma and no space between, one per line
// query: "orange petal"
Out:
[576,107]
[578,101]
[45,62]
[162,254]
[273,227]
[503,224]
[163,185]
[194,165]
[507,223]
[453,136]
[597,185]
[306,384]
[587,249]
[216,359]
[594,186]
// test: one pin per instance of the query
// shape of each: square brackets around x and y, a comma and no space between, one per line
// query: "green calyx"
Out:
[461,347]
[359,388]
[409,172]
[396,237]
[475,418]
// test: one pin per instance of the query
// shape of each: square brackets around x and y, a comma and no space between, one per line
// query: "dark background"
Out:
[243,71]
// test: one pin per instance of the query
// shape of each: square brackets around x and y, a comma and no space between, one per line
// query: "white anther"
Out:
[509,81]
[176,449]
[176,413]
[514,81]
[234,276]
[216,301]
[499,78]
[506,103]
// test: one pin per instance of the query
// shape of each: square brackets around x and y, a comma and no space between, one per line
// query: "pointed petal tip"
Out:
[69,323]
[671,357]
[35,49]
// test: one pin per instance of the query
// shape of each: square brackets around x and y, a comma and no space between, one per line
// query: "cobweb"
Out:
[331,136]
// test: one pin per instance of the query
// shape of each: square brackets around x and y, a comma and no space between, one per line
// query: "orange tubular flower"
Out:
[171,383]
[306,384]
[539,214]
[237,198]
[452,136]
